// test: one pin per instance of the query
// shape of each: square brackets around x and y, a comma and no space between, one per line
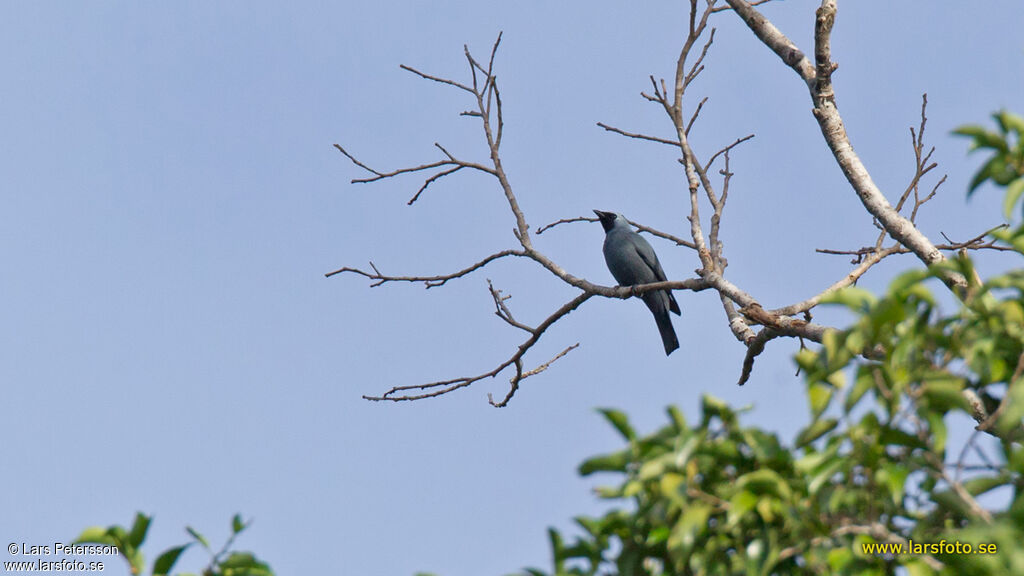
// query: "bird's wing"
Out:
[646,253]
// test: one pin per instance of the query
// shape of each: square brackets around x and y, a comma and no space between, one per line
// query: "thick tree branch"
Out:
[743,312]
[819,82]
[489,109]
[754,349]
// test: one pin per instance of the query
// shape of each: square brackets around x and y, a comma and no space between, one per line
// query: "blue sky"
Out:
[172,199]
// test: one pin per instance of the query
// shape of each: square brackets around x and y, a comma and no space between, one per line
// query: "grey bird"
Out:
[632,261]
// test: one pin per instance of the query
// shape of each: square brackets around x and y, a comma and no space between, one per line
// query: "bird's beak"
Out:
[601,215]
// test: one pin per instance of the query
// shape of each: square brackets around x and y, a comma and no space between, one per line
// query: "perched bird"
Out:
[632,261]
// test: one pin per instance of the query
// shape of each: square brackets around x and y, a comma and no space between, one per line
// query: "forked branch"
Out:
[750,322]
[483,88]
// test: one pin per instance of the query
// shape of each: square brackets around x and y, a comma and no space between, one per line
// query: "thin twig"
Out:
[726,149]
[428,281]
[640,227]
[438,388]
[524,375]
[638,136]
[435,78]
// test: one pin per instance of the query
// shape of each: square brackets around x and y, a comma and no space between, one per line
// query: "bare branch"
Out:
[784,325]
[428,281]
[698,67]
[726,150]
[867,257]
[494,50]
[755,3]
[452,161]
[754,349]
[975,243]
[774,39]
[742,310]
[851,278]
[819,82]
[652,231]
[360,164]
[918,202]
[435,78]
[638,136]
[428,181]
[922,166]
[696,112]
[434,389]
[501,309]
[524,375]
[545,227]
[671,238]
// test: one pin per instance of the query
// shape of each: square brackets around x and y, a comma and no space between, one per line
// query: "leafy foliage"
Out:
[875,464]
[1006,165]
[223,562]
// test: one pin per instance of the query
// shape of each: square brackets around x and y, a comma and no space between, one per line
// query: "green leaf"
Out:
[1008,121]
[165,562]
[978,486]
[854,298]
[615,462]
[557,548]
[908,279]
[712,407]
[944,391]
[693,522]
[939,432]
[619,421]
[118,534]
[96,535]
[900,438]
[198,537]
[677,417]
[823,474]
[816,430]
[982,138]
[139,528]
[987,170]
[739,505]
[864,382]
[1013,412]
[839,558]
[655,467]
[764,482]
[236,524]
[893,477]
[948,500]
[1013,193]
[243,563]
[972,130]
[819,396]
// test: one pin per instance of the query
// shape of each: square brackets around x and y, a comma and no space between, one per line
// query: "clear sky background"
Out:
[171,201]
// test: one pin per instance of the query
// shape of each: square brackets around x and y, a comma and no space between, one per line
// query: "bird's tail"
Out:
[668,333]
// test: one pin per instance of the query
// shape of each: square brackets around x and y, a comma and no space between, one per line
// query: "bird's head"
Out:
[610,220]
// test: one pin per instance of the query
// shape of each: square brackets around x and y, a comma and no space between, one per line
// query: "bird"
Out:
[632,261]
